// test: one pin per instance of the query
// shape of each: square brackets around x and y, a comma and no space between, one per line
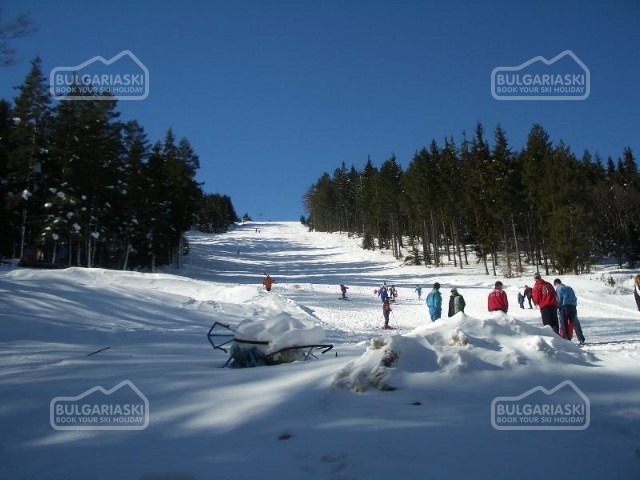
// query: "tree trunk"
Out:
[89,252]
[425,244]
[23,231]
[436,241]
[126,256]
[517,247]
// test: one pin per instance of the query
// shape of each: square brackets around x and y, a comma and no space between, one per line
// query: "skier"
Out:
[418,290]
[386,309]
[456,302]
[498,300]
[343,289]
[636,291]
[434,302]
[267,282]
[383,293]
[544,296]
[567,303]
[393,293]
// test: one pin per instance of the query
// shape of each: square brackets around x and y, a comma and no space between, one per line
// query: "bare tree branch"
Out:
[20,27]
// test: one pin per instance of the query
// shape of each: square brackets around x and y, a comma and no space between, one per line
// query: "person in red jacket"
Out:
[498,300]
[267,282]
[544,295]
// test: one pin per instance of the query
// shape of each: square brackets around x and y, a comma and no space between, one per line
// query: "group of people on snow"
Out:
[557,303]
[525,295]
[434,302]
[384,292]
[558,306]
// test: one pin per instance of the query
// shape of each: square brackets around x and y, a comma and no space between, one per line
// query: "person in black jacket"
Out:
[636,291]
[456,302]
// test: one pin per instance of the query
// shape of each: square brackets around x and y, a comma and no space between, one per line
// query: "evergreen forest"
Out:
[80,187]
[480,200]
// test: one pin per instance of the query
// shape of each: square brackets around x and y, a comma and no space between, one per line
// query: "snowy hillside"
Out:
[420,401]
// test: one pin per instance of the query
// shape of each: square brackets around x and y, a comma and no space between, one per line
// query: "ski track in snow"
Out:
[292,256]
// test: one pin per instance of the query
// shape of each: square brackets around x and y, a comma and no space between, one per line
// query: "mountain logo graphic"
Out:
[124,407]
[123,77]
[564,77]
[564,407]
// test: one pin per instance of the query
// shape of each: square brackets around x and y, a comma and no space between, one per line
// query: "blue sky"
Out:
[273,93]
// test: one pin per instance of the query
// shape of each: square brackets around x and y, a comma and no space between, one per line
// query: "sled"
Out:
[222,337]
[569,329]
[568,334]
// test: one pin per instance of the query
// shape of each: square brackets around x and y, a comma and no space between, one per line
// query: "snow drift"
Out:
[260,342]
[459,345]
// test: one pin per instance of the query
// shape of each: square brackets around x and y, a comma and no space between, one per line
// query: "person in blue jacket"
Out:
[418,290]
[567,311]
[434,302]
[383,293]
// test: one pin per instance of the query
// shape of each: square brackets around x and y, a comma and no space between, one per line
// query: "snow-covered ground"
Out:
[415,402]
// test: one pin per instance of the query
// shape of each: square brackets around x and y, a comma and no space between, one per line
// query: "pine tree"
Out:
[88,157]
[537,180]
[344,205]
[568,224]
[505,197]
[388,205]
[418,188]
[174,199]
[487,226]
[6,124]
[27,162]
[132,192]
[367,201]
[216,213]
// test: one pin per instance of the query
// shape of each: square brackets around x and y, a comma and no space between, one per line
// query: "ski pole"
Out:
[394,319]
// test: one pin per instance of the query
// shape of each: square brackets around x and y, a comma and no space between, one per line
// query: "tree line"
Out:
[79,187]
[541,205]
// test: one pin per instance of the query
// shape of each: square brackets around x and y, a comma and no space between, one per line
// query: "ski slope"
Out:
[343,416]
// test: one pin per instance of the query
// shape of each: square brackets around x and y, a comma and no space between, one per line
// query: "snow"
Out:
[414,402]
[459,345]
[281,331]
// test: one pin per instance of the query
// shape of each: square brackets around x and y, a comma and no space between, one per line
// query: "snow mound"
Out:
[280,331]
[456,346]
[261,342]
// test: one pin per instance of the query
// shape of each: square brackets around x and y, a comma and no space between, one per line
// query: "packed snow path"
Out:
[309,267]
